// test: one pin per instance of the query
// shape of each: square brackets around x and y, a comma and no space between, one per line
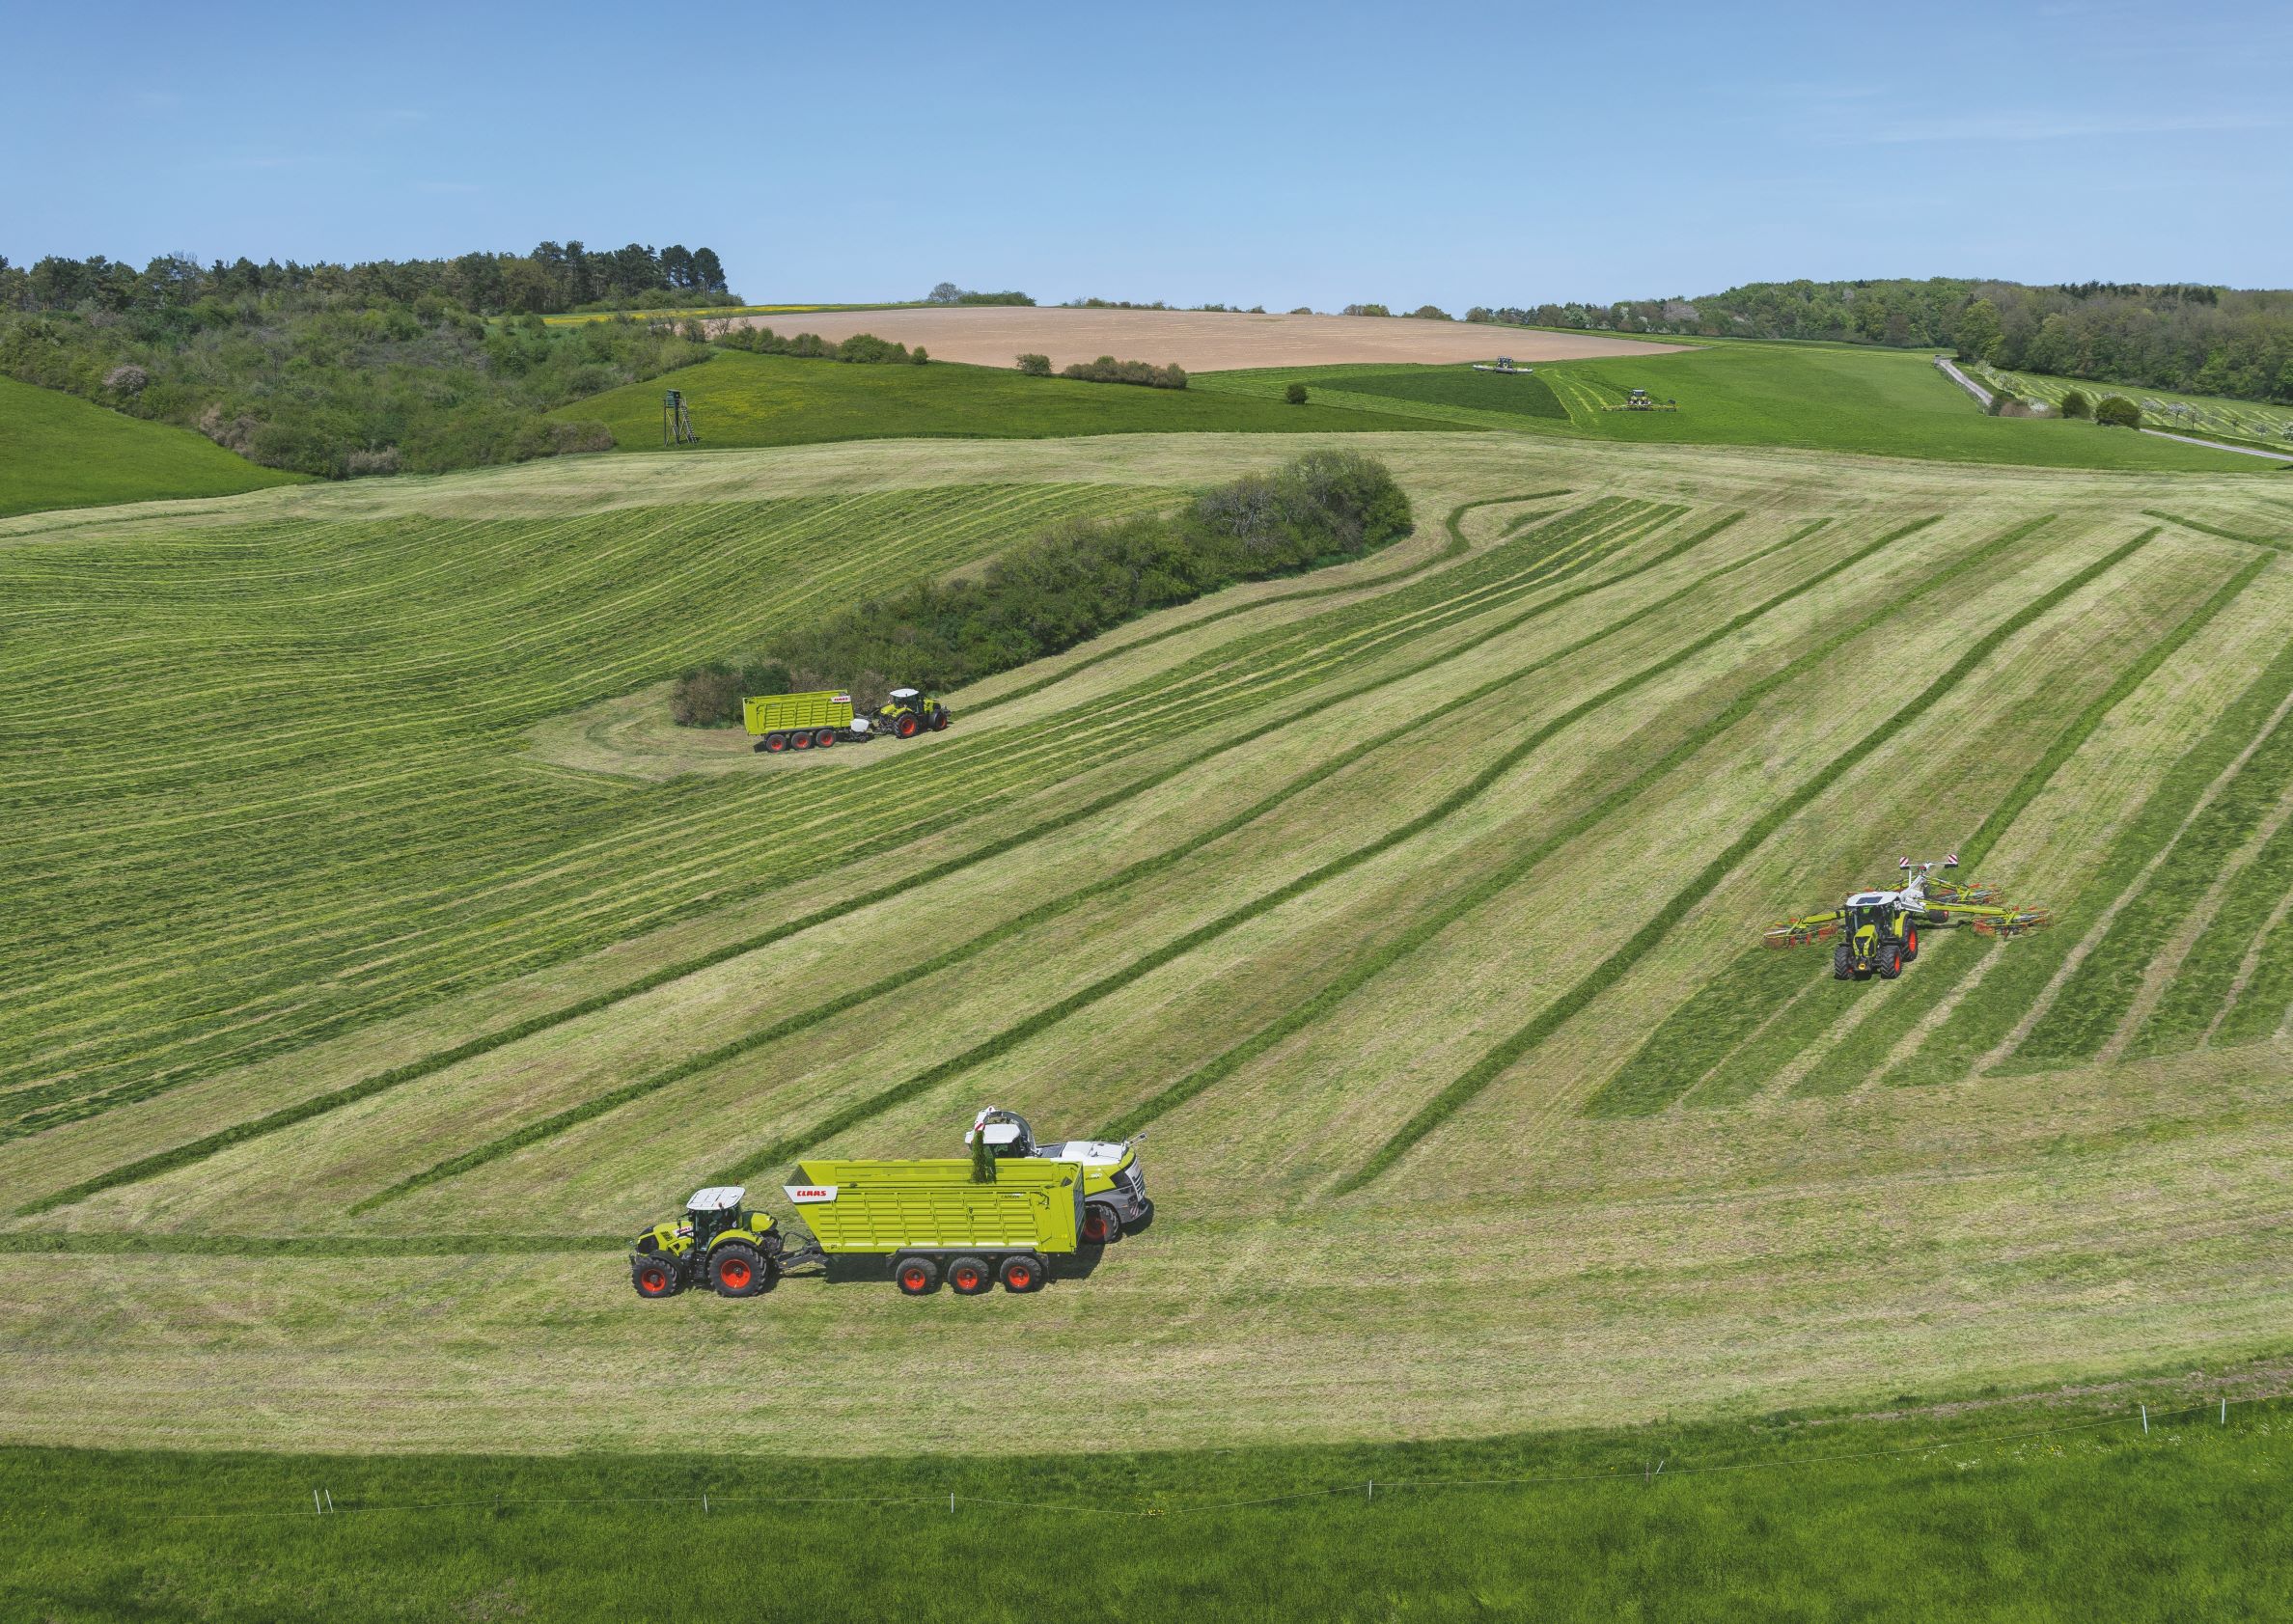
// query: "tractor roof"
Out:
[717,1198]
[904,693]
[1874,899]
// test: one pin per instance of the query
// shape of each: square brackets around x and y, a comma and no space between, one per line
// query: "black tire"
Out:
[918,1277]
[655,1277]
[968,1277]
[1889,960]
[774,743]
[1911,945]
[737,1269]
[800,740]
[908,726]
[940,720]
[1843,963]
[1023,1273]
[1102,1225]
[822,739]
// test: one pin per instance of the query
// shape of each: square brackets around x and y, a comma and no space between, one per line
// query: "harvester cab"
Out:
[717,1243]
[1114,1198]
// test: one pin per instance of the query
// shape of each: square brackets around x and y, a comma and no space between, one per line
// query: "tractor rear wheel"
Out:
[655,1277]
[968,1277]
[907,725]
[774,743]
[1843,963]
[1022,1273]
[1102,1225]
[1889,960]
[916,1276]
[737,1269]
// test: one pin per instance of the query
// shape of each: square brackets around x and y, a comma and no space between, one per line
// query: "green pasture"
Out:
[2014,1511]
[1822,397]
[740,400]
[58,450]
[383,952]
[2258,422]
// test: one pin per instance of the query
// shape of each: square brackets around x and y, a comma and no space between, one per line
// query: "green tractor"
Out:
[907,713]
[738,1253]
[1875,932]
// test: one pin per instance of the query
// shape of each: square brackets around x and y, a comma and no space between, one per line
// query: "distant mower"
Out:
[1876,932]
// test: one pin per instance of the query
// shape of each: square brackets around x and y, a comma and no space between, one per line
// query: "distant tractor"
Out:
[1876,932]
[782,722]
[1640,400]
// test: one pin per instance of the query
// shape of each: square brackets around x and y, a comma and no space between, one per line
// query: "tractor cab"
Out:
[714,1211]
[1871,910]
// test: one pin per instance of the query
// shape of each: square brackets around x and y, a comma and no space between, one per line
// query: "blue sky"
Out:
[1287,155]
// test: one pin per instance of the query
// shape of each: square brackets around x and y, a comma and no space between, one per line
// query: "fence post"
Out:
[316,1510]
[1372,1488]
[704,1503]
[2225,1412]
[951,1503]
[330,1499]
[2145,1420]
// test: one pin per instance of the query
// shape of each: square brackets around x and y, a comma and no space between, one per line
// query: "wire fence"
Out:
[1368,1489]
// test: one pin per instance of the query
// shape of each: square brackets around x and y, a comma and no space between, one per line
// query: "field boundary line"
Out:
[1505,1054]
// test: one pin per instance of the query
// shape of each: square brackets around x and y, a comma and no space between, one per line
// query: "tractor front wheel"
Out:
[1889,960]
[737,1269]
[1102,1225]
[655,1277]
[968,1277]
[939,721]
[1843,963]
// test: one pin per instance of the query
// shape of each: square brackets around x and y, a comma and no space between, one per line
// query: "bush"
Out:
[2001,400]
[1366,310]
[867,347]
[1430,313]
[2117,412]
[1107,369]
[2077,405]
[920,356]
[1079,579]
[1035,365]
[1295,395]
[709,696]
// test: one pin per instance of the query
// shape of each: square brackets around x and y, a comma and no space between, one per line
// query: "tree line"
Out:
[1071,583]
[2192,336]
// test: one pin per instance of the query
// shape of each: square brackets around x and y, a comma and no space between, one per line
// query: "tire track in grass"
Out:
[288,1117]
[1506,1054]
[1622,525]
[552,1126]
[1982,1026]
[2205,984]
[1500,879]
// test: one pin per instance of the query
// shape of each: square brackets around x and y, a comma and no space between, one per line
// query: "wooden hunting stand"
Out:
[676,424]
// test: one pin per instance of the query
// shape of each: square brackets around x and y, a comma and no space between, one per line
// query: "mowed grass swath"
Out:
[1337,881]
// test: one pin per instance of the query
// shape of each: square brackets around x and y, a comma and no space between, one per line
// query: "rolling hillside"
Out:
[1411,907]
[57,450]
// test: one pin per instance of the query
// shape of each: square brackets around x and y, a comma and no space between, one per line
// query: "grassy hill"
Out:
[1821,397]
[57,450]
[1415,917]
[740,400]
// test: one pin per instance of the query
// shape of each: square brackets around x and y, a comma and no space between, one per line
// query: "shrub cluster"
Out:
[2075,404]
[1107,369]
[1035,365]
[860,347]
[709,696]
[1080,578]
[948,293]
[2116,411]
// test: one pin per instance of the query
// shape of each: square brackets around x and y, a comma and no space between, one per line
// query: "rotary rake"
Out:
[1876,932]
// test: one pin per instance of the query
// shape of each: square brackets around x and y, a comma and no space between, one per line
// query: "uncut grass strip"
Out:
[1987,1018]
[2088,1007]
[1504,1056]
[1456,547]
[156,1243]
[288,1117]
[2205,983]
[2281,544]
[2264,1003]
[552,1126]
[1502,878]
[1699,1036]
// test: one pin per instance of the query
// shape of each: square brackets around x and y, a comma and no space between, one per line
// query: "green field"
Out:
[739,399]
[57,450]
[2065,1510]
[2257,422]
[1820,397]
[379,962]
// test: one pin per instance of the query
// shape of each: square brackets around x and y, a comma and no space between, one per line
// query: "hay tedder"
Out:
[1876,932]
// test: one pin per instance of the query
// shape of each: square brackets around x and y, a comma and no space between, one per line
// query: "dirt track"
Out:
[1199,341]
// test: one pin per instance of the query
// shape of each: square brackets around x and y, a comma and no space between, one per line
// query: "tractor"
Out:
[715,1244]
[1876,932]
[907,713]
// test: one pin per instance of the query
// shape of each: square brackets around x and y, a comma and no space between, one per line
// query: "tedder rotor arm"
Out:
[1990,922]
[1802,932]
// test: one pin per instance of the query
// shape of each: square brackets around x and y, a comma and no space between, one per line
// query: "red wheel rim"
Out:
[776,745]
[653,1281]
[1021,1278]
[913,1279]
[734,1273]
[967,1278]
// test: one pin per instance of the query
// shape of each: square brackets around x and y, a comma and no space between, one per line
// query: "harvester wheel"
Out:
[908,726]
[1843,963]
[825,737]
[775,743]
[1102,1225]
[968,1277]
[655,1277]
[1022,1273]
[800,740]
[917,1276]
[737,1269]
[1889,960]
